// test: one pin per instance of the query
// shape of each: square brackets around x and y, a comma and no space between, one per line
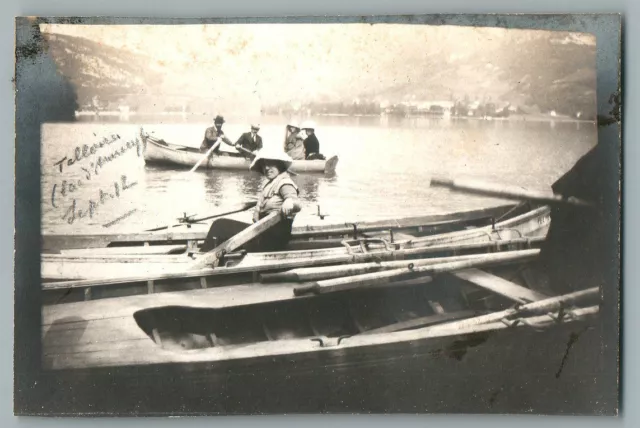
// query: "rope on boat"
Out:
[562,315]
[509,230]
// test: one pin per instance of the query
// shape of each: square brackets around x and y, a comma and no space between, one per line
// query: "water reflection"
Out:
[212,183]
[250,184]
[308,186]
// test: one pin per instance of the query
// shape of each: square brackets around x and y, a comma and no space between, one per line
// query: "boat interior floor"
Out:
[336,315]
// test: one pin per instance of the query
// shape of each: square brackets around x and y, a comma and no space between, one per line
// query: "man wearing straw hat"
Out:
[279,194]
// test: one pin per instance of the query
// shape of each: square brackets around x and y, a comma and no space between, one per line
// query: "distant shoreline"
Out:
[513,117]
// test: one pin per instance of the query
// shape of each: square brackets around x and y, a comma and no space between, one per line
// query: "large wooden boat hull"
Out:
[518,370]
[520,229]
[160,152]
[219,339]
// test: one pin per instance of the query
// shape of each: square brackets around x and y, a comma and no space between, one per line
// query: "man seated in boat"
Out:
[293,145]
[250,141]
[279,194]
[213,134]
[311,143]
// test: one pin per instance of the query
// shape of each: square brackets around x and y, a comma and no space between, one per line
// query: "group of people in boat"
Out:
[247,145]
[301,142]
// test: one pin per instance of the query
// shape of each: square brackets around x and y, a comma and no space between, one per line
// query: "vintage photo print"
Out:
[317,216]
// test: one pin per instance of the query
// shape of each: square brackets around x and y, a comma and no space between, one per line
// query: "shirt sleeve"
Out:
[288,191]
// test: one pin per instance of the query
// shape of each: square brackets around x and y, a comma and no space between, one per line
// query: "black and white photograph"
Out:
[262,217]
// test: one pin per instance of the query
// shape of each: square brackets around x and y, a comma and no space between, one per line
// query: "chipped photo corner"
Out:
[382,214]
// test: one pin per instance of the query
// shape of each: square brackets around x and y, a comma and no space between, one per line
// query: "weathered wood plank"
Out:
[51,243]
[336,271]
[507,192]
[387,277]
[203,298]
[257,262]
[108,251]
[499,285]
[421,322]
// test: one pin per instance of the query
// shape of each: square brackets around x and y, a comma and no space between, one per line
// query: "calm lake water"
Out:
[383,172]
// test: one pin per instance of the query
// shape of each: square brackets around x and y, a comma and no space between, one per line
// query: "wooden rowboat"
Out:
[178,239]
[158,151]
[251,326]
[138,273]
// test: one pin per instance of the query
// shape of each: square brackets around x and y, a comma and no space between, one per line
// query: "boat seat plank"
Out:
[500,286]
[146,249]
[143,344]
[64,335]
[422,322]
[218,297]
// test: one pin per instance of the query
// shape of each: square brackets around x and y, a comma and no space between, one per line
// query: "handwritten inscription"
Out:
[73,213]
[91,159]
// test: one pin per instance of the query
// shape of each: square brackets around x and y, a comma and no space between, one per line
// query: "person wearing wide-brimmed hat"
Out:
[279,194]
[212,134]
[250,141]
[293,141]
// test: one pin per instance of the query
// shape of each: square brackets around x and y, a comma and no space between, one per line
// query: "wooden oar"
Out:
[337,271]
[546,305]
[243,207]
[213,256]
[469,186]
[206,155]
[379,278]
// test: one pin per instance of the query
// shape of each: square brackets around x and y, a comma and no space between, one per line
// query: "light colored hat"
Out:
[255,126]
[271,154]
[308,124]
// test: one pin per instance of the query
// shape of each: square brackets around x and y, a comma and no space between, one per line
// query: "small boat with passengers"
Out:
[157,151]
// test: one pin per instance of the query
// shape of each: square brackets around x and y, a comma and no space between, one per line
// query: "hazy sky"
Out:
[276,62]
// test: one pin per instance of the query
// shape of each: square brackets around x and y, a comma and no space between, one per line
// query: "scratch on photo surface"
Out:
[122,217]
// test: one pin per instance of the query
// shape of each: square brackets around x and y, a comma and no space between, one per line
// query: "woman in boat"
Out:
[311,143]
[212,134]
[279,194]
[294,142]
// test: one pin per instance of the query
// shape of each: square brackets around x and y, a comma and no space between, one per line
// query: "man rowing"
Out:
[250,141]
[212,134]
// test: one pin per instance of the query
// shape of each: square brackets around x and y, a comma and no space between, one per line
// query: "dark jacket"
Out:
[211,136]
[311,145]
[247,142]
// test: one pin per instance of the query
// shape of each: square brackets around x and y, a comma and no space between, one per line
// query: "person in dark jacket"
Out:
[311,143]
[250,141]
[212,134]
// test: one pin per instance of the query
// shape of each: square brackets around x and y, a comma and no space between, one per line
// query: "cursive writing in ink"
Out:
[85,151]
[73,212]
